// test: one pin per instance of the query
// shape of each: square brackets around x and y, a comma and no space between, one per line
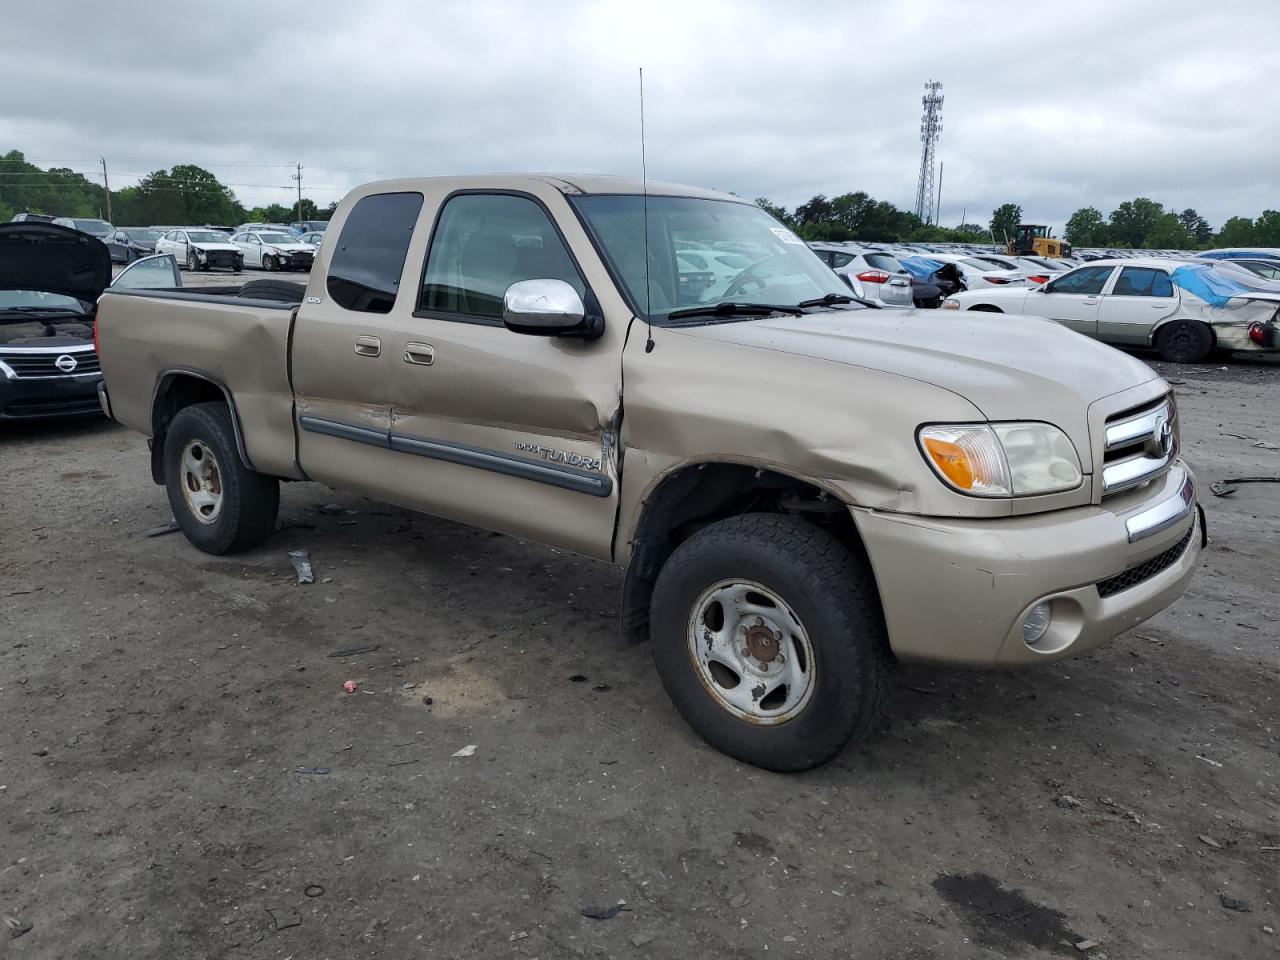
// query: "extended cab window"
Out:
[482,245]
[364,273]
[1143,282]
[1086,280]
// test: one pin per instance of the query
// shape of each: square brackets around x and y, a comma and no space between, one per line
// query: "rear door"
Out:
[1138,298]
[504,430]
[341,352]
[1072,299]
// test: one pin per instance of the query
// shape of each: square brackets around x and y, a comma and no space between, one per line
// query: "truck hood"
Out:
[1009,367]
[53,259]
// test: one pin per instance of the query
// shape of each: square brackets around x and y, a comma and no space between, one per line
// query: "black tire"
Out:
[1184,341]
[250,501]
[268,263]
[832,592]
[192,265]
[283,291]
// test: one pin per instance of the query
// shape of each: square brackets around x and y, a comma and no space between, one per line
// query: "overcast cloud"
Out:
[1053,106]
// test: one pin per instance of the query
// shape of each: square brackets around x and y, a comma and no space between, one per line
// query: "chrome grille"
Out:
[42,363]
[1139,445]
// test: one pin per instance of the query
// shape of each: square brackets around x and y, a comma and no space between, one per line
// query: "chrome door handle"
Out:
[368,346]
[422,354]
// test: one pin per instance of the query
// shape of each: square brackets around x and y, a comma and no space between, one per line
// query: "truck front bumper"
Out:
[958,591]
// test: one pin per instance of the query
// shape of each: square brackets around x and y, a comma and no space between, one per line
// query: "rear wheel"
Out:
[1184,341]
[220,504]
[769,638]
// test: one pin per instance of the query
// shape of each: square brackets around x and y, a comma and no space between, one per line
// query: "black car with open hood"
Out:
[50,280]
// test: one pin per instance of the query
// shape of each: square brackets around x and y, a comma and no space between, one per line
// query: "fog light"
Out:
[1036,623]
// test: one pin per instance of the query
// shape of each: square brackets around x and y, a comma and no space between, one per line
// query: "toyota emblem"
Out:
[66,363]
[1162,436]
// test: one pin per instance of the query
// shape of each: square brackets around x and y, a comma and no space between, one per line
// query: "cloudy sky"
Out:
[1050,105]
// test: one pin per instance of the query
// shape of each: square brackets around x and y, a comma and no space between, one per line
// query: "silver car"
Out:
[872,275]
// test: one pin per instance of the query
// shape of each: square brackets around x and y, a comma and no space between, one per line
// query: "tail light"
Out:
[1258,333]
[997,280]
[1038,278]
[873,276]
[96,348]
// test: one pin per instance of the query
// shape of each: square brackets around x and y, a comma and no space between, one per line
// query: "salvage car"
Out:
[1185,311]
[274,251]
[801,489]
[50,281]
[128,244]
[873,276]
[90,225]
[198,248]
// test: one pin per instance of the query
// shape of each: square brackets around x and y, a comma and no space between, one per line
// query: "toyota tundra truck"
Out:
[802,489]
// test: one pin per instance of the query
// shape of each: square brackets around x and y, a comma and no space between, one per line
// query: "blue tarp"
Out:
[922,268]
[1211,286]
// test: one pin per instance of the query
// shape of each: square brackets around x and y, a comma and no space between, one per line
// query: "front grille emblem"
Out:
[66,363]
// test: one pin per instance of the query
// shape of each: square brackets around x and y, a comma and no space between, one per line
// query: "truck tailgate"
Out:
[242,345]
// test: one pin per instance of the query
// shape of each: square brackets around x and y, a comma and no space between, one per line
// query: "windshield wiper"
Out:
[831,298]
[729,308]
[41,311]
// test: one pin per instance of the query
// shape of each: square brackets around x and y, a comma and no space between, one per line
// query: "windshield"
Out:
[277,238]
[703,252]
[143,236]
[27,299]
[98,228]
[206,236]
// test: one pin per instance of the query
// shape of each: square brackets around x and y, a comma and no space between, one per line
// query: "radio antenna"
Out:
[644,186]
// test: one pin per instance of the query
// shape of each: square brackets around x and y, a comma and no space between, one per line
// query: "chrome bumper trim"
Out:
[1163,515]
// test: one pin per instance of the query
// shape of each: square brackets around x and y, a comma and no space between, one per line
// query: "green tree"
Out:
[1169,233]
[1086,228]
[1196,225]
[1266,229]
[1236,232]
[972,229]
[778,213]
[204,199]
[1133,220]
[1005,220]
[815,212]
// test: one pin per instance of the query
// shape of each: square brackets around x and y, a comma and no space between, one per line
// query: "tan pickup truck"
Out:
[801,488]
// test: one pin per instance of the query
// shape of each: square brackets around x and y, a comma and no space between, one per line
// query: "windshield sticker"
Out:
[786,236]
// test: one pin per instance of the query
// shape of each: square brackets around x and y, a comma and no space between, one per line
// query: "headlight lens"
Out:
[950,305]
[1002,459]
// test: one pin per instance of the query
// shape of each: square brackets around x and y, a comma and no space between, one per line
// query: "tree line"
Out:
[184,194]
[1135,223]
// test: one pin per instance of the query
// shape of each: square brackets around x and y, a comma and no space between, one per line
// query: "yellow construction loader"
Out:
[1037,239]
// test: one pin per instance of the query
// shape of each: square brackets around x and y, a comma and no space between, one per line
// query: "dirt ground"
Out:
[182,774]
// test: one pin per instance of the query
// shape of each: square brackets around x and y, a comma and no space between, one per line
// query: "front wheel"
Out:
[268,263]
[192,265]
[768,635]
[221,505]
[1184,341]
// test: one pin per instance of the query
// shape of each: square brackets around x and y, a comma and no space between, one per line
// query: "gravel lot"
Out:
[182,775]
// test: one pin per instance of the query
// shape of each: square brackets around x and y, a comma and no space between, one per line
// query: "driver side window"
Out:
[1086,280]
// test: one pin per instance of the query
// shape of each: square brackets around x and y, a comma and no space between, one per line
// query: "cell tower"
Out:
[930,127]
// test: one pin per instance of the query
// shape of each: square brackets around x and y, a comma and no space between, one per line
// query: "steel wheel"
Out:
[751,652]
[201,482]
[191,262]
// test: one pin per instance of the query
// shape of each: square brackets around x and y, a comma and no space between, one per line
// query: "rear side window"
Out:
[482,245]
[884,261]
[364,272]
[1143,282]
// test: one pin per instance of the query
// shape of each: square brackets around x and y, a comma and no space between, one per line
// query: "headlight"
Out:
[950,305]
[1002,459]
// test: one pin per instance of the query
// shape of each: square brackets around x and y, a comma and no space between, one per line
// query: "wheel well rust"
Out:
[175,390]
[697,495]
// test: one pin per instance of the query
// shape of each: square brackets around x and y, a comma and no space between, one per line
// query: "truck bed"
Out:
[241,345]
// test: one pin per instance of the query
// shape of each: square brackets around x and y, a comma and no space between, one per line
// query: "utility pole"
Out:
[930,127]
[937,219]
[298,176]
[106,185]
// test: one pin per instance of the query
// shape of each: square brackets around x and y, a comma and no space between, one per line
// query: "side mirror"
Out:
[548,308]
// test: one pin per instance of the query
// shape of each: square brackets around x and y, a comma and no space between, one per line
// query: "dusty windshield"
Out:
[703,252]
[206,236]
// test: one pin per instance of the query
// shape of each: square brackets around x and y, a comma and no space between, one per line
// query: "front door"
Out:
[503,430]
[1139,298]
[1072,299]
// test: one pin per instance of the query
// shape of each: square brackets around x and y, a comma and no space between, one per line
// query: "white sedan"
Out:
[274,251]
[200,249]
[978,274]
[1186,311]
